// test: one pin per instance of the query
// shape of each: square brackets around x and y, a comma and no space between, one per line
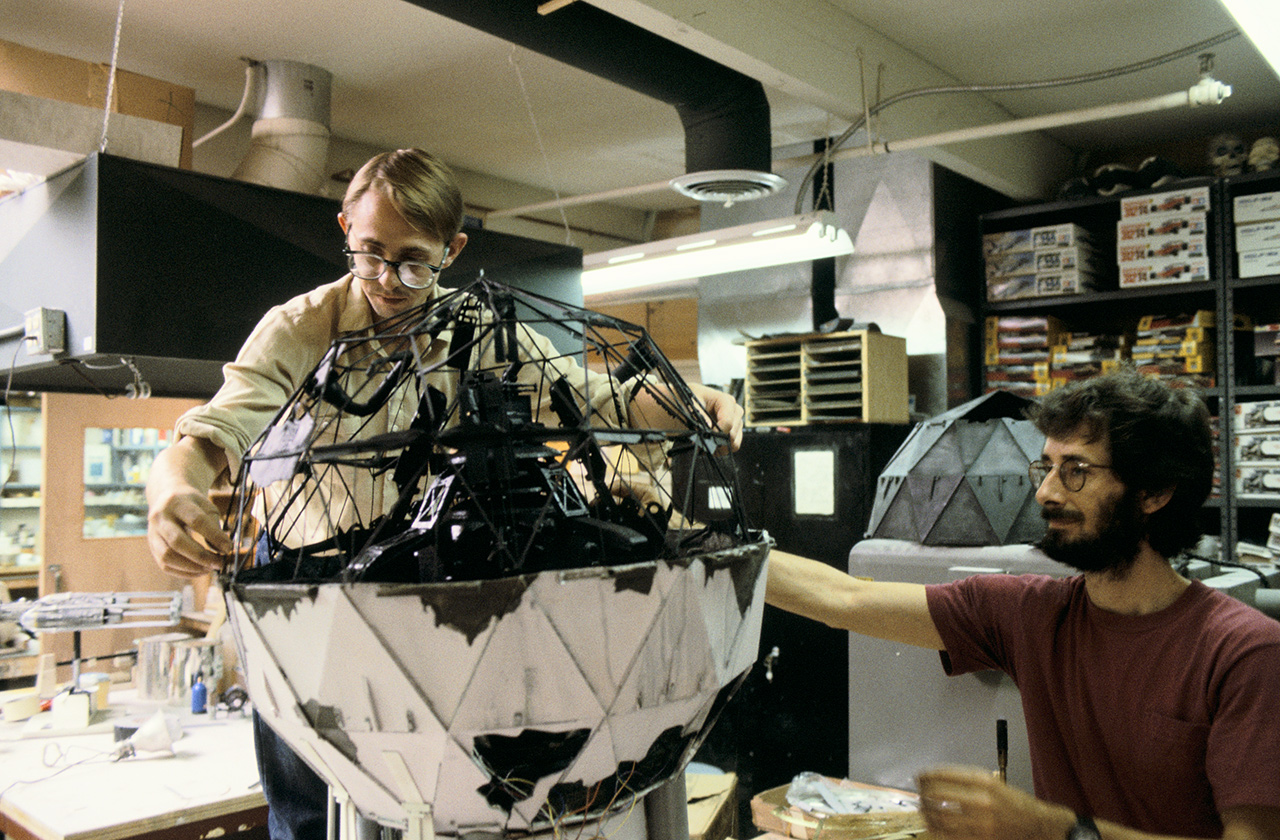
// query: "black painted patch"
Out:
[328,724]
[744,564]
[635,578]
[470,606]
[265,598]
[516,763]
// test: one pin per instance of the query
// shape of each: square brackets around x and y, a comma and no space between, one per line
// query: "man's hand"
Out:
[723,410]
[183,527]
[969,803]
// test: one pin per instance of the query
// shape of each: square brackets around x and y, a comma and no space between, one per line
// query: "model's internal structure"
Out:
[470,588]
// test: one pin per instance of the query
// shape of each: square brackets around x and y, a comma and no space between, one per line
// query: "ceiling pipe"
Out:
[725,114]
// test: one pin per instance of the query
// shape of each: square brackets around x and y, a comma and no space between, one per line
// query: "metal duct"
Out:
[291,127]
[724,113]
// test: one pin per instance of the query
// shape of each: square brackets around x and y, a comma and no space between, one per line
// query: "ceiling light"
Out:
[809,236]
[1260,20]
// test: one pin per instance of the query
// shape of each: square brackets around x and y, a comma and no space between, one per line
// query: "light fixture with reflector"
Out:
[801,238]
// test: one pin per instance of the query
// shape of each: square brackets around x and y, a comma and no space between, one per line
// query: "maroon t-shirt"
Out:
[1157,722]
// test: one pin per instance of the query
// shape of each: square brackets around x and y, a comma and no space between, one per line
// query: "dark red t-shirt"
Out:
[1157,722]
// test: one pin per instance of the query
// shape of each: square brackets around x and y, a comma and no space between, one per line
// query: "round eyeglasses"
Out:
[1072,474]
[415,274]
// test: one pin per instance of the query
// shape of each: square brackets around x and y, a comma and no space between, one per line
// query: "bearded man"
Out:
[1150,699]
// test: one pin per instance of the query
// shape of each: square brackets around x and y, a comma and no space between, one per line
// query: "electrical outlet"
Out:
[47,330]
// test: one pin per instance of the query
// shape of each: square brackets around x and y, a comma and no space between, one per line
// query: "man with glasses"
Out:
[402,218]
[1151,700]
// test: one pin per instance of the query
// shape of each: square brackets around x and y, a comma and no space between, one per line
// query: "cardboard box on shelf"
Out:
[1011,287]
[1257,448]
[1256,416]
[1009,263]
[1258,235]
[1191,245]
[37,73]
[1266,340]
[1162,224]
[1171,201]
[1165,270]
[1259,263]
[1260,207]
[1258,481]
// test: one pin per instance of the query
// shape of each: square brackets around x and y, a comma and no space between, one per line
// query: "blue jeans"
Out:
[297,798]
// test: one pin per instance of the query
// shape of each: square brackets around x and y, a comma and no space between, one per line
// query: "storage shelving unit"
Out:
[797,380]
[1259,298]
[1113,309]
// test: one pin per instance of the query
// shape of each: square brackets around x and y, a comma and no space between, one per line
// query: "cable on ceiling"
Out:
[1063,81]
[542,149]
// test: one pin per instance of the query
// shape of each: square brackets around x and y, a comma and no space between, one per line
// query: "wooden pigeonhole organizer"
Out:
[844,377]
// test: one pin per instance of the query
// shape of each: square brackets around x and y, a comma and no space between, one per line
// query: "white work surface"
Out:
[57,786]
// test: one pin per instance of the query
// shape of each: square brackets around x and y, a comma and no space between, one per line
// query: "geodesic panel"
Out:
[961,478]
[466,580]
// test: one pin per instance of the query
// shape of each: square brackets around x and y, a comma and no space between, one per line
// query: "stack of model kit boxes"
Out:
[1256,448]
[1084,355]
[1039,262]
[1163,238]
[1257,219]
[1018,353]
[1176,347]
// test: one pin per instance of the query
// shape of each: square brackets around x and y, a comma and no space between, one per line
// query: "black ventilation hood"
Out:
[171,269]
[725,114]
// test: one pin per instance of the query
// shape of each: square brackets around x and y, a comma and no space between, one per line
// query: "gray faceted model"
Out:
[960,478]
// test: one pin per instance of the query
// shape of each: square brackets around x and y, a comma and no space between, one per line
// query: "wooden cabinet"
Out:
[826,378]
[73,562]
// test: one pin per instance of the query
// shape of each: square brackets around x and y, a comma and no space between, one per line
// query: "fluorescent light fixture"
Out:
[1260,20]
[809,236]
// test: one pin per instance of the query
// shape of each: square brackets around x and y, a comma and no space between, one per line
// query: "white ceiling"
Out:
[406,76]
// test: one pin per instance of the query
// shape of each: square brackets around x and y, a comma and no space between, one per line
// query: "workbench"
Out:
[64,786]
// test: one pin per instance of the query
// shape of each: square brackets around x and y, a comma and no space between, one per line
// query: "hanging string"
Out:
[542,149]
[111,78]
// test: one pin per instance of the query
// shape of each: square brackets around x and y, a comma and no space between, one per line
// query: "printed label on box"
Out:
[1061,283]
[1059,236]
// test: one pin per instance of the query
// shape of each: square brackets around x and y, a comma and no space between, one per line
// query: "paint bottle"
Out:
[199,695]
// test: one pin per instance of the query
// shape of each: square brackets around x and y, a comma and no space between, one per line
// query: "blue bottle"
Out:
[199,695]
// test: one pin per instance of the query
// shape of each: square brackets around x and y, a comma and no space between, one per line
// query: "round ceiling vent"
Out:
[728,185]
